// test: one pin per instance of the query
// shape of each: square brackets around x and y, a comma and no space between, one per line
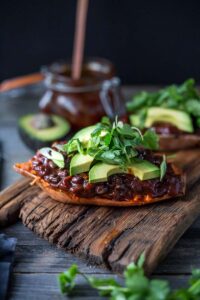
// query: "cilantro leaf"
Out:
[136,285]
[104,286]
[106,121]
[66,279]
[115,143]
[126,130]
[150,140]
[159,289]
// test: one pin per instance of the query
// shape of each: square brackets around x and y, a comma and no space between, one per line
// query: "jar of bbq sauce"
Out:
[82,102]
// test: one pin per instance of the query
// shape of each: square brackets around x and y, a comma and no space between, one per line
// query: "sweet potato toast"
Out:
[70,198]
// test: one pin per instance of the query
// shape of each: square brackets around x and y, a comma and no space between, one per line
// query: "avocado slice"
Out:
[80,163]
[40,130]
[135,120]
[101,171]
[84,136]
[178,118]
[144,170]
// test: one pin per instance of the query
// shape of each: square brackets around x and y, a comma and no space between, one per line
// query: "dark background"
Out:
[155,42]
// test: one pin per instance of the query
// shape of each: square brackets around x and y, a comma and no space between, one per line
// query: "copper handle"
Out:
[20,81]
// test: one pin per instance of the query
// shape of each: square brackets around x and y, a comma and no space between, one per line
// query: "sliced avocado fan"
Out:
[180,119]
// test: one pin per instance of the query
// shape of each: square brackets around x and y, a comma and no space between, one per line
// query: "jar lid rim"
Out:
[99,68]
[63,87]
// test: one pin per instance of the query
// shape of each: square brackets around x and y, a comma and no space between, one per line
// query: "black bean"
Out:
[118,187]
[54,178]
[51,164]
[77,179]
[101,189]
[63,173]
[76,188]
[35,163]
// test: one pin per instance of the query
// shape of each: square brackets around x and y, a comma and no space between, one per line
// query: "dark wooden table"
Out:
[37,263]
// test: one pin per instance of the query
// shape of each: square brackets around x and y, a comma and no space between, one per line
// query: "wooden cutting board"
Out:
[106,236]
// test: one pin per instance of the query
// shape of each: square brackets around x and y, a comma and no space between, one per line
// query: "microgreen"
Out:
[115,143]
[136,285]
[184,97]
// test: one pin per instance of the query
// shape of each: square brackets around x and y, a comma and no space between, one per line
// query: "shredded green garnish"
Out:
[115,143]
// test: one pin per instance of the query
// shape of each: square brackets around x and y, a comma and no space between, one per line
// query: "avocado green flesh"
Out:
[56,132]
[84,136]
[135,120]
[180,119]
[101,171]
[80,163]
[144,170]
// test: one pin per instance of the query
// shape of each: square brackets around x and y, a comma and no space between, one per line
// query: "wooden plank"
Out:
[181,260]
[12,199]
[29,286]
[113,237]
[30,249]
[24,286]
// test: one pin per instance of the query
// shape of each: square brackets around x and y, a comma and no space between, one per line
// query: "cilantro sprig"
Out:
[114,143]
[184,97]
[136,285]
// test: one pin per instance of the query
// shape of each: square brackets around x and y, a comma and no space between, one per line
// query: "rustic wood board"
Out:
[112,237]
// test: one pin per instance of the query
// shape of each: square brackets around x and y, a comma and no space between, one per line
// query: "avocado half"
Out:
[41,130]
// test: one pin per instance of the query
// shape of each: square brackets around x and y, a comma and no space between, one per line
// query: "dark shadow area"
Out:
[155,42]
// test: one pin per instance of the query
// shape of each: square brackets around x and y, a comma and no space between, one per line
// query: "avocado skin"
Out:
[34,143]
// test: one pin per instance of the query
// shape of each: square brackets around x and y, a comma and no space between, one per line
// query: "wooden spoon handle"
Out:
[20,81]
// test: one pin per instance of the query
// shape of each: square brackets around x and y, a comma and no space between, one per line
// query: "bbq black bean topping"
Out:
[122,187]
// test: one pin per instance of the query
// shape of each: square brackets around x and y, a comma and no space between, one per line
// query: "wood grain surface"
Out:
[37,262]
[113,237]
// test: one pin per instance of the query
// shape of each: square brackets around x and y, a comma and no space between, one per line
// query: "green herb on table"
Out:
[136,285]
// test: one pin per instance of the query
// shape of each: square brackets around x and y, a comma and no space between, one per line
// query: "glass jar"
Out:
[82,102]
